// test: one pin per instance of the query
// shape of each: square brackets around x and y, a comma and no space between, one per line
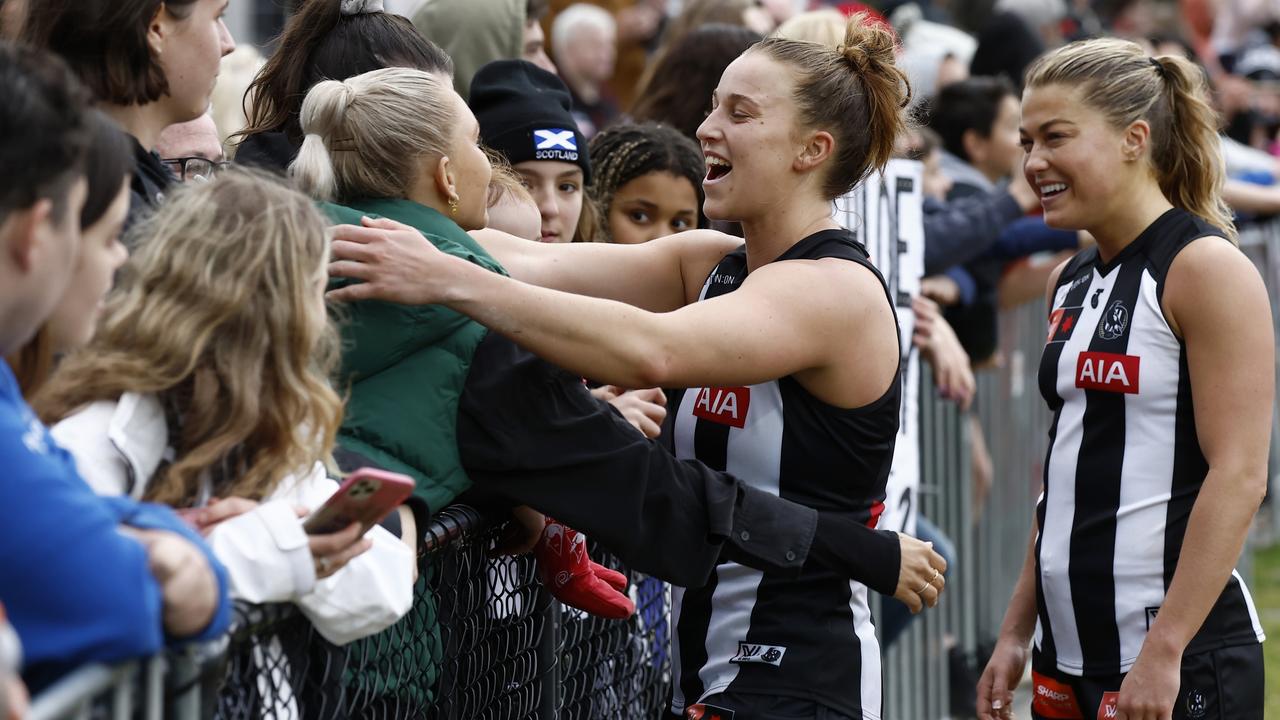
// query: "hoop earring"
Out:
[453,206]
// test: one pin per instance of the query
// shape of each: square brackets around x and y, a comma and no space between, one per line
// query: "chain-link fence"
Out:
[483,640]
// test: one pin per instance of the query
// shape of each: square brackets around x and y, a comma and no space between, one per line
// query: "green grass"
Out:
[1266,594]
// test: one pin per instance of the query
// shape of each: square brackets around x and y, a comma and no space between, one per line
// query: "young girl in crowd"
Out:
[648,182]
[512,209]
[524,116]
[207,388]
[1159,369]
[789,343]
[150,63]
[107,169]
[324,40]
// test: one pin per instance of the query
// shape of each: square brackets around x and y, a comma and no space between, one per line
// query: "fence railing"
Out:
[485,640]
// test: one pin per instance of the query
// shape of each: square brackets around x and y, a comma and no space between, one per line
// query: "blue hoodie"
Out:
[75,588]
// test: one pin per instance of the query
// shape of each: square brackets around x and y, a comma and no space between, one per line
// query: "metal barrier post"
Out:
[549,656]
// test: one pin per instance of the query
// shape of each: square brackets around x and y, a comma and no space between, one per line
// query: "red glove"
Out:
[574,579]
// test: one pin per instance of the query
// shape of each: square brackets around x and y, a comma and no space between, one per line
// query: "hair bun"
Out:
[868,43]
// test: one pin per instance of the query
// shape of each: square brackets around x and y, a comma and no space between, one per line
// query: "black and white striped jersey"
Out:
[1124,465]
[809,636]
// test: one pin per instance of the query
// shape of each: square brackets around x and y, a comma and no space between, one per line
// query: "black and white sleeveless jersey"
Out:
[1124,465]
[755,632]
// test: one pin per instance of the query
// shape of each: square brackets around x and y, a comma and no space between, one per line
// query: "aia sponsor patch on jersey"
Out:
[1110,372]
[1061,322]
[727,406]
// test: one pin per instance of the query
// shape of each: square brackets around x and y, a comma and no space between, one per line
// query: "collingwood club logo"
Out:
[1114,321]
[555,144]
[765,654]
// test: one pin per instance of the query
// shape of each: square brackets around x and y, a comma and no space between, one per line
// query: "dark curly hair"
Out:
[625,152]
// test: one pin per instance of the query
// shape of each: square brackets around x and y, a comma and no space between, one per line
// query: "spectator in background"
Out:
[977,120]
[83,579]
[1006,46]
[149,64]
[648,182]
[825,26]
[207,387]
[324,40]
[227,106]
[584,40]
[524,115]
[639,23]
[475,34]
[933,55]
[512,209]
[697,14]
[676,89]
[12,15]
[108,164]
[192,150]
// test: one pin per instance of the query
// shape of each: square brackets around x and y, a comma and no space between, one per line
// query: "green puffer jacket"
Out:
[394,417]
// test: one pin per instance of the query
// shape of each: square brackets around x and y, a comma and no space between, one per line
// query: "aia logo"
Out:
[765,654]
[1110,372]
[727,406]
[1061,322]
[1109,708]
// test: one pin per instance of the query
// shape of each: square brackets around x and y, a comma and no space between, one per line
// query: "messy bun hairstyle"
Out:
[365,136]
[854,92]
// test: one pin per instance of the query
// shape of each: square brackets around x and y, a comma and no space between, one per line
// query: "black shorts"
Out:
[1224,684]
[754,706]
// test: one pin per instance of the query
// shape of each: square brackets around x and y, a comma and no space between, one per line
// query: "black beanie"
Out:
[523,113]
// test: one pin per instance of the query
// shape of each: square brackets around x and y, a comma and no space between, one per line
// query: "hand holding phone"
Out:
[365,497]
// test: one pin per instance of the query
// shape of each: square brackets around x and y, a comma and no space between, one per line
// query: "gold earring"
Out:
[453,205]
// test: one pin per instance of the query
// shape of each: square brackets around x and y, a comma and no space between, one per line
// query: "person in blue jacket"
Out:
[83,579]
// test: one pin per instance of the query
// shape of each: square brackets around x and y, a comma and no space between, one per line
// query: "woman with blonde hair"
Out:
[1159,370]
[207,387]
[789,346]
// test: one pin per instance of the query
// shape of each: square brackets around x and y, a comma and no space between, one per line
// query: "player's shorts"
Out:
[1224,684]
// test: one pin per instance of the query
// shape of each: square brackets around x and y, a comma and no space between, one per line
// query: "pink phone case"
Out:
[366,496]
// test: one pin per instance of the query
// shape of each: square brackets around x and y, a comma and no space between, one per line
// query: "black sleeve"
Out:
[530,433]
[958,231]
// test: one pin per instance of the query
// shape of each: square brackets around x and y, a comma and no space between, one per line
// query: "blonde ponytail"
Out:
[366,136]
[1118,79]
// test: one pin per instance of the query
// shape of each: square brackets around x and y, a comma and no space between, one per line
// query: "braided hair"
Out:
[627,151]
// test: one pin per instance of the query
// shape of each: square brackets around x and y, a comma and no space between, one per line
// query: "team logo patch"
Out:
[1061,322]
[1197,705]
[727,406]
[1109,372]
[1053,699]
[765,654]
[703,711]
[1109,708]
[1114,321]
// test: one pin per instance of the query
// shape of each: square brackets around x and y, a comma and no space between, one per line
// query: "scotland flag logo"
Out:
[555,144]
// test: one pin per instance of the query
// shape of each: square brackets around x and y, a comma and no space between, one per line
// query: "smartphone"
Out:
[365,497]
